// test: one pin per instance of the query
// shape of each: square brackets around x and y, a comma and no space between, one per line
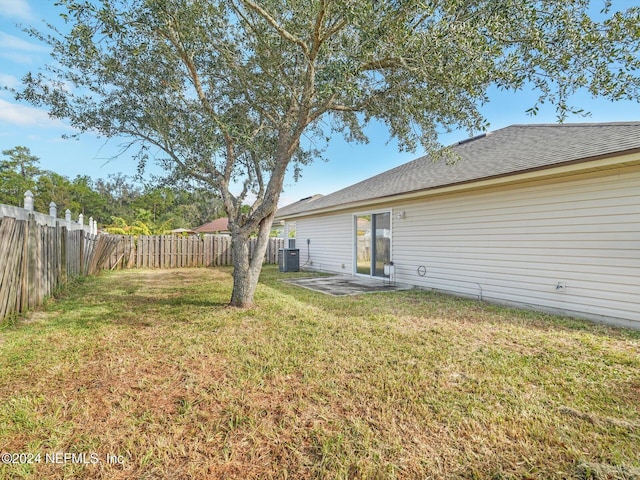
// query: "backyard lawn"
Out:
[148,375]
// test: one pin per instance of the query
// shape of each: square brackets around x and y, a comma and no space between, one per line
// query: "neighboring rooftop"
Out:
[510,150]
[216,226]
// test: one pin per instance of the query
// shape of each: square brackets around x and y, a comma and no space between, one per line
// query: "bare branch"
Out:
[259,175]
[317,37]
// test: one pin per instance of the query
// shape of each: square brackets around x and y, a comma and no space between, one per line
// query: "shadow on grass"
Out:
[141,298]
[141,310]
[152,297]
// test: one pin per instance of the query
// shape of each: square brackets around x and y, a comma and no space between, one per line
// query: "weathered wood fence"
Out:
[35,259]
[175,251]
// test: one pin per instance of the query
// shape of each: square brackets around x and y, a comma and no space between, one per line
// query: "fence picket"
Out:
[172,251]
[35,259]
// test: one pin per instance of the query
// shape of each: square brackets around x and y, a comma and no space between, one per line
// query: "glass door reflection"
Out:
[382,244]
[373,243]
[363,244]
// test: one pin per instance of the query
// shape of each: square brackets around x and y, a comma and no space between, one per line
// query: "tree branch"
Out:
[174,38]
[383,63]
[279,28]
[165,146]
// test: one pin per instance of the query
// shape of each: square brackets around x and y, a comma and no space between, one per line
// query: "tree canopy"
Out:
[235,92]
[18,171]
[116,201]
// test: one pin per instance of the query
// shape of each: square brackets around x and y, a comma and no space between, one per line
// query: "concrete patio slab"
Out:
[340,285]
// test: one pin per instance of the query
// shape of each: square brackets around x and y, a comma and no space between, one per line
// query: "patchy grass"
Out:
[151,368]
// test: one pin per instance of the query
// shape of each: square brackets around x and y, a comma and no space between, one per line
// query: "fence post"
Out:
[81,220]
[28,200]
[67,217]
[90,225]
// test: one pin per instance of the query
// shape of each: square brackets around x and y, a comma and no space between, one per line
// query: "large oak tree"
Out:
[235,92]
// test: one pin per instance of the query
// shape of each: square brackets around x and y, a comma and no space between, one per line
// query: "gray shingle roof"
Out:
[298,206]
[507,151]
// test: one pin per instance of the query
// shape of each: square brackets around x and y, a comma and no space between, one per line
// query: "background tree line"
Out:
[120,203]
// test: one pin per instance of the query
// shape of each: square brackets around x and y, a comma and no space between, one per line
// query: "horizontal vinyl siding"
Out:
[331,244]
[514,244]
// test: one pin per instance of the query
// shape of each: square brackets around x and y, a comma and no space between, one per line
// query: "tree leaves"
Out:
[226,89]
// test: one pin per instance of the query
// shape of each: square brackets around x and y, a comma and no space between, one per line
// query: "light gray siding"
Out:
[567,245]
[331,246]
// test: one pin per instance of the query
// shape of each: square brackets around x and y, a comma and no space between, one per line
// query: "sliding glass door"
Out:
[363,244]
[382,245]
[373,243]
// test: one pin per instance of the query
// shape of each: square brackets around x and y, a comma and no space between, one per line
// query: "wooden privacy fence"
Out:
[36,259]
[174,251]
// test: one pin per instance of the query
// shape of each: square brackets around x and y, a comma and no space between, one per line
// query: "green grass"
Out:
[152,366]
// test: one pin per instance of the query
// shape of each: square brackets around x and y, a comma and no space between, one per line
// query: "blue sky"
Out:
[21,124]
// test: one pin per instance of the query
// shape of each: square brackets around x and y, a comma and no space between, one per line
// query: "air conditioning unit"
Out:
[289,260]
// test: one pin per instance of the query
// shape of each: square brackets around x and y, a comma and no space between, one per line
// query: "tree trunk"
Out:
[246,271]
[245,278]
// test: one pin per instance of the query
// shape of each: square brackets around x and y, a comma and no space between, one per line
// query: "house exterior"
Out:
[218,226]
[538,216]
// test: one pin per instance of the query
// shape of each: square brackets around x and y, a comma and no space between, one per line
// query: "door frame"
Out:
[355,240]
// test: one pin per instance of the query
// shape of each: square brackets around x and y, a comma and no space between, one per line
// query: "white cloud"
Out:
[11,42]
[17,57]
[16,9]
[18,50]
[8,81]
[25,116]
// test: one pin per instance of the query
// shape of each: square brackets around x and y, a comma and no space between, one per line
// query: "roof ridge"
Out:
[573,124]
